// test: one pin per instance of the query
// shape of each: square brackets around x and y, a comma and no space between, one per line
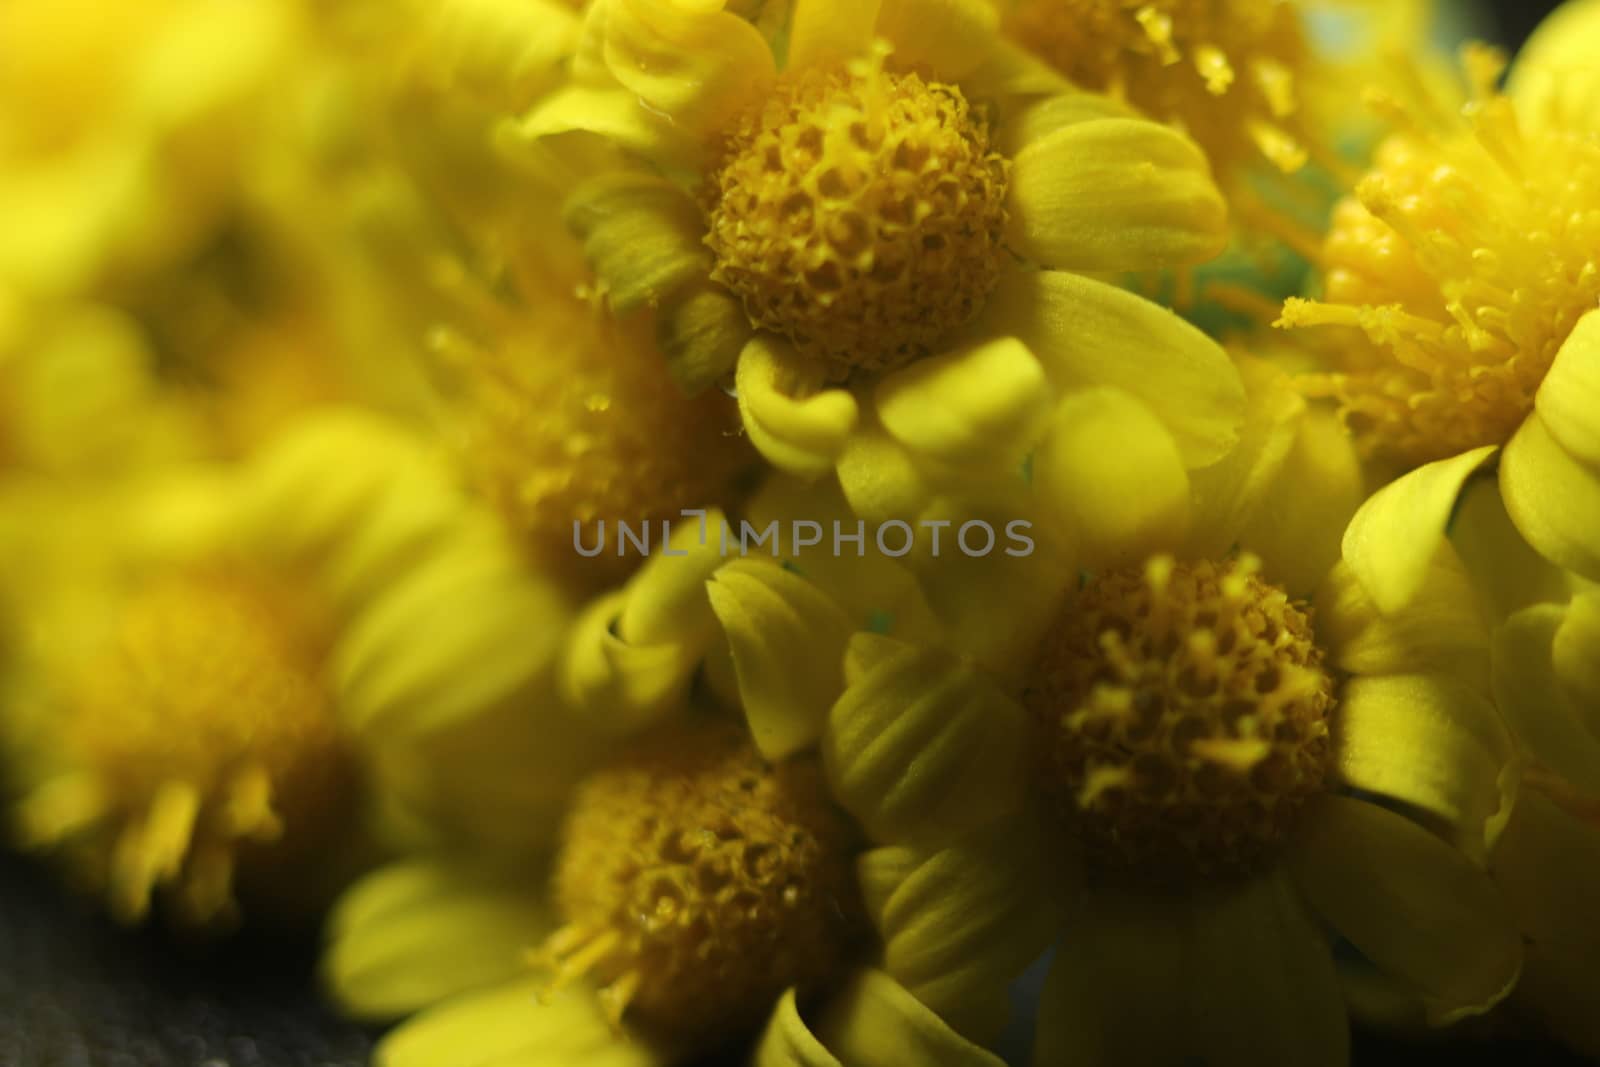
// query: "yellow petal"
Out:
[1111,474]
[1440,629]
[1553,82]
[506,53]
[518,1024]
[826,33]
[1086,332]
[1394,537]
[1297,528]
[871,1022]
[959,925]
[1263,989]
[1547,867]
[642,235]
[688,60]
[1553,498]
[1056,111]
[701,332]
[1528,691]
[1569,396]
[1432,742]
[1575,654]
[947,37]
[1410,903]
[1507,573]
[788,640]
[583,126]
[796,425]
[1228,492]
[1115,194]
[986,402]
[1116,994]
[880,477]
[412,934]
[923,749]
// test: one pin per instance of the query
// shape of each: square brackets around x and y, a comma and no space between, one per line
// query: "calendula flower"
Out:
[1461,276]
[705,883]
[226,671]
[1191,777]
[837,219]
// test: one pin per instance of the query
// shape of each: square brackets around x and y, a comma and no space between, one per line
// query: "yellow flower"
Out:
[1461,277]
[1553,80]
[706,881]
[1193,778]
[225,669]
[1546,864]
[837,220]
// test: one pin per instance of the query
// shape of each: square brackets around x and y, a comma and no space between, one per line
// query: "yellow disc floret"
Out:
[1223,70]
[200,736]
[571,417]
[1183,717]
[860,214]
[1465,258]
[698,883]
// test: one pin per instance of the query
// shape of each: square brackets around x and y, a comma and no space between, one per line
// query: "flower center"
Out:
[698,883]
[1183,717]
[204,725]
[860,214]
[1223,70]
[570,417]
[1466,259]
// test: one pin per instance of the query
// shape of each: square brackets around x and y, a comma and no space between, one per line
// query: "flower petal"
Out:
[1393,538]
[1569,396]
[1547,867]
[1115,194]
[1529,694]
[797,426]
[1507,573]
[788,640]
[413,933]
[1576,655]
[986,402]
[1553,498]
[948,37]
[828,32]
[922,748]
[959,925]
[688,60]
[1263,989]
[1112,475]
[701,332]
[872,1022]
[1056,111]
[1410,903]
[518,1024]
[1440,629]
[642,236]
[1086,332]
[583,126]
[1432,742]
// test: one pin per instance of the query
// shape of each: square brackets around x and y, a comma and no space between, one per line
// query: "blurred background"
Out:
[75,991]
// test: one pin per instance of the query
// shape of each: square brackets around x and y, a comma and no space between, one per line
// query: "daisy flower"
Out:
[1229,807]
[226,676]
[705,886]
[869,213]
[1461,277]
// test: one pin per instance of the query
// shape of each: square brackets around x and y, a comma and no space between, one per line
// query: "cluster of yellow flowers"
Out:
[689,528]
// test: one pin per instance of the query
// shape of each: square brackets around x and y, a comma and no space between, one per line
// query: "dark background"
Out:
[74,992]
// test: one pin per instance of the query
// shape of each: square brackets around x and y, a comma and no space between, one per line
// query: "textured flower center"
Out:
[1183,714]
[698,883]
[571,417]
[204,725]
[1465,259]
[1223,70]
[860,214]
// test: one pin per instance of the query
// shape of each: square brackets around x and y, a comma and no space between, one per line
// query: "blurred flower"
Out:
[223,668]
